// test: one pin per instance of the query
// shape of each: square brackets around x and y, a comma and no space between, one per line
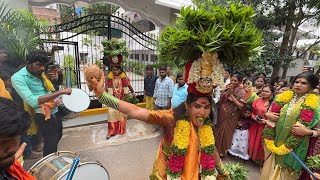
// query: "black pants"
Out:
[51,131]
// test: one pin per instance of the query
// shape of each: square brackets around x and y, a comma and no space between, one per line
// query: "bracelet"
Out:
[314,134]
[221,169]
[109,100]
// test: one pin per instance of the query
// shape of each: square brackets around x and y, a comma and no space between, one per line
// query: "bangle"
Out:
[109,100]
[221,169]
[314,134]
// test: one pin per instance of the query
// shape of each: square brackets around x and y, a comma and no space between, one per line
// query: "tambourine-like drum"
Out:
[56,166]
[77,101]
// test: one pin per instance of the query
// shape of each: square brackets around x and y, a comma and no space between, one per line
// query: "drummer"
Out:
[13,122]
[39,96]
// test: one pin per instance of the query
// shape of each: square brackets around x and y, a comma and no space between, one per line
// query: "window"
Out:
[154,58]
[136,56]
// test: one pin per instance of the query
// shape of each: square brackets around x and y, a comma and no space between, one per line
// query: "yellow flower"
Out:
[122,75]
[281,150]
[206,136]
[286,96]
[311,101]
[110,75]
[181,134]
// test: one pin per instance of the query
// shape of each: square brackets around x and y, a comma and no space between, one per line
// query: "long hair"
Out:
[180,111]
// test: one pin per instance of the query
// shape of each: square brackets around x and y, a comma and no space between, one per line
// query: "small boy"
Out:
[239,146]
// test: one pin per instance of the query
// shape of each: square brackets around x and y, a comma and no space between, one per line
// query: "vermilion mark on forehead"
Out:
[203,102]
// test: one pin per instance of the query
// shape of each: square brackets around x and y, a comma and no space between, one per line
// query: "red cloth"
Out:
[17,172]
[255,148]
[115,128]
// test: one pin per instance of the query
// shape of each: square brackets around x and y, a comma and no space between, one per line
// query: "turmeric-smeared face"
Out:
[199,110]
[301,86]
[205,85]
[116,71]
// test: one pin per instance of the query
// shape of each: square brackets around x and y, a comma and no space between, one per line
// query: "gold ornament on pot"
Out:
[206,72]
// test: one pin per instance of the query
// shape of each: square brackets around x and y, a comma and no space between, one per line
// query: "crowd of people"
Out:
[246,117]
[241,110]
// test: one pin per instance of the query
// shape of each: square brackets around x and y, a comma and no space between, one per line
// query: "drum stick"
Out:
[303,165]
[73,168]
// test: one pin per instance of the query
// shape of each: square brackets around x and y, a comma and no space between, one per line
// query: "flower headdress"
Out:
[113,51]
[204,74]
[200,36]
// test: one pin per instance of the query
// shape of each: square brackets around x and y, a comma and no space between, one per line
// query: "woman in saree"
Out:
[190,154]
[250,95]
[299,106]
[314,144]
[232,103]
[260,107]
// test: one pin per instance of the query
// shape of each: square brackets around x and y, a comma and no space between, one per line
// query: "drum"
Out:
[77,101]
[56,166]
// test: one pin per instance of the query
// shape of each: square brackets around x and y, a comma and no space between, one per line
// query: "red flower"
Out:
[125,82]
[176,163]
[207,161]
[306,115]
[275,108]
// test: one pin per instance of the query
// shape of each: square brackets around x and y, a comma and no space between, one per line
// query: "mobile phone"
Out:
[309,69]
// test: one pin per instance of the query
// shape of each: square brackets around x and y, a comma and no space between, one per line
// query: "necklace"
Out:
[294,102]
[117,90]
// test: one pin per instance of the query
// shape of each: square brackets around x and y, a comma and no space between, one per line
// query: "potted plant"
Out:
[114,50]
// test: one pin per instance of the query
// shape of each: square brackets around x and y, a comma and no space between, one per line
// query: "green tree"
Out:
[67,13]
[19,33]
[69,71]
[288,16]
[100,8]
[285,16]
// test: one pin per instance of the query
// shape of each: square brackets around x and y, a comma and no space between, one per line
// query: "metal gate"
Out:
[78,42]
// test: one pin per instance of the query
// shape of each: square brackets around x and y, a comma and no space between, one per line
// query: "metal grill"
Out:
[78,42]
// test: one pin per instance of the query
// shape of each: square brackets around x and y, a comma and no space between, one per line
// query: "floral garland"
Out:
[122,75]
[124,83]
[306,116]
[181,143]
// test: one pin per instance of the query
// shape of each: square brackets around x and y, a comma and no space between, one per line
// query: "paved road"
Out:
[125,157]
